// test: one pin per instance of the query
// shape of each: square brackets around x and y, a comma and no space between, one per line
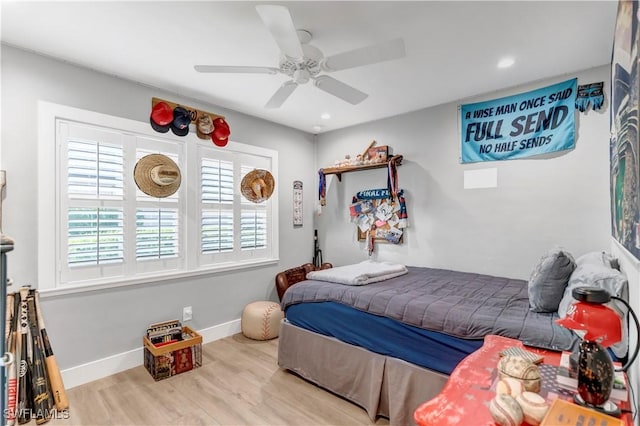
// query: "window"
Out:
[231,227]
[111,233]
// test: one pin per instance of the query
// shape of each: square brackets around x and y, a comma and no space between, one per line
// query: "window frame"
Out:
[50,225]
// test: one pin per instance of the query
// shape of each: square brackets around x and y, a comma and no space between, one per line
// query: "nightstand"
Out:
[467,393]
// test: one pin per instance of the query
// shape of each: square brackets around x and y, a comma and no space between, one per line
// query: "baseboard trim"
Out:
[94,370]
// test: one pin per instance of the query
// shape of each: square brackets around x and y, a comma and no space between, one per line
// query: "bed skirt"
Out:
[382,385]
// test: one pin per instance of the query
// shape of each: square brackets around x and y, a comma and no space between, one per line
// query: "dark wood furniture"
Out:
[286,279]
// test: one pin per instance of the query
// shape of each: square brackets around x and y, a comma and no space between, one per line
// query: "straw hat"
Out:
[257,185]
[157,175]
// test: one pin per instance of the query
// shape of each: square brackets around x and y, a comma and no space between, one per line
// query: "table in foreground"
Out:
[466,395]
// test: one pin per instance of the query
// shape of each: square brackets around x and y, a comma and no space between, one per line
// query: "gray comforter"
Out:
[460,304]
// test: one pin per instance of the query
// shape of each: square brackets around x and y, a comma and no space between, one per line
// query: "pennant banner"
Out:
[519,126]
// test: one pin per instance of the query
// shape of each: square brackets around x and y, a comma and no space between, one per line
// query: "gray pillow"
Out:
[601,276]
[549,279]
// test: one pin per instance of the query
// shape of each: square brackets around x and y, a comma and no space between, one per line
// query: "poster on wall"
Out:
[297,203]
[518,126]
[625,205]
[379,215]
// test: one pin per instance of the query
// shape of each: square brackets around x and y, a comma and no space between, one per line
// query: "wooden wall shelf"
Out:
[338,171]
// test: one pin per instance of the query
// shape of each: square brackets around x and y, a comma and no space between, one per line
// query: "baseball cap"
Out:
[204,126]
[181,121]
[161,117]
[221,132]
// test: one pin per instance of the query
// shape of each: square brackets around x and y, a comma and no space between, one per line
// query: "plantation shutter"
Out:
[95,172]
[253,222]
[157,221]
[156,233]
[217,196]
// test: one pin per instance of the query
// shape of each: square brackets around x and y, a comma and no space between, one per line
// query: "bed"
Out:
[389,346]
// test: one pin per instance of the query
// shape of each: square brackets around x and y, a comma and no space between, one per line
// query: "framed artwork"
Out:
[297,203]
[625,203]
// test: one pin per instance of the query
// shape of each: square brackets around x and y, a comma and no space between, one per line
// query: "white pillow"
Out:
[600,258]
[607,278]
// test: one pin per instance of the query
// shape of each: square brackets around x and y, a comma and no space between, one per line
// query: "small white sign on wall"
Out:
[481,178]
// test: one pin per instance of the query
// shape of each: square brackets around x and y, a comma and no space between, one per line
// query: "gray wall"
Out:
[562,199]
[89,326]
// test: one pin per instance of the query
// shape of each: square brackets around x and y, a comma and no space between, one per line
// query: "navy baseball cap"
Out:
[181,121]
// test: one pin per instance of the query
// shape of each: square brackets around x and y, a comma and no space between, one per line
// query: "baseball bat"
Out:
[9,316]
[41,401]
[53,371]
[17,338]
[25,396]
[12,378]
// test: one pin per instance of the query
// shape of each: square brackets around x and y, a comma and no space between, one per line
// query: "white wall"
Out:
[562,199]
[89,326]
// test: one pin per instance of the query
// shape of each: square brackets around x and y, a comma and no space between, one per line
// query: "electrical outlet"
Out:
[187,313]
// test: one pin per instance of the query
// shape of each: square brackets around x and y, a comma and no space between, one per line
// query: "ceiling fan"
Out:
[303,62]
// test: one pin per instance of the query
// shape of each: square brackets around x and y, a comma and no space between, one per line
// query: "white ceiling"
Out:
[452,48]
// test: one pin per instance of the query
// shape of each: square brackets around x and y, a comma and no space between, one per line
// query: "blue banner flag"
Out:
[532,123]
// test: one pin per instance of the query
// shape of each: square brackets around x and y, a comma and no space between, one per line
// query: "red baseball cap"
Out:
[161,117]
[221,132]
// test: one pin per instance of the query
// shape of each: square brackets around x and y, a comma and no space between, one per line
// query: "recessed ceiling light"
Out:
[317,128]
[506,62]
[325,116]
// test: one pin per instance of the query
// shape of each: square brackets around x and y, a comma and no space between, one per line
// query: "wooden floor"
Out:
[239,383]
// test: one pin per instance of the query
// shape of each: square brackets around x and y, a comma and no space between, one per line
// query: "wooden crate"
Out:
[173,358]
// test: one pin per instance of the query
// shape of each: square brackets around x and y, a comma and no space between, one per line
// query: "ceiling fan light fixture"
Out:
[301,76]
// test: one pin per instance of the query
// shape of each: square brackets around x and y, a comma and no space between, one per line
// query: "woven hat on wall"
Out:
[157,175]
[257,185]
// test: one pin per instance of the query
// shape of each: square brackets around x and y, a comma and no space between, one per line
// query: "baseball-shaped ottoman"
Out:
[261,320]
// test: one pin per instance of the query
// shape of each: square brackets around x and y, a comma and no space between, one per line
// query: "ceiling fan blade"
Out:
[281,94]
[340,89]
[235,69]
[278,20]
[373,54]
